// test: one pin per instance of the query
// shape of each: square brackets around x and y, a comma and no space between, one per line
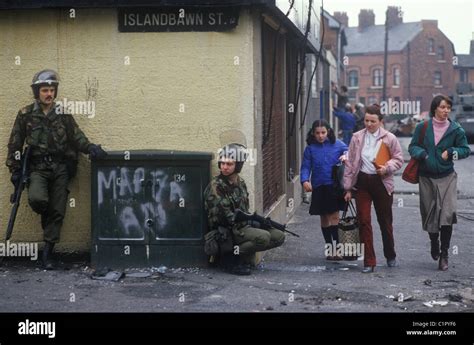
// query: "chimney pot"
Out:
[342,18]
[366,19]
[394,16]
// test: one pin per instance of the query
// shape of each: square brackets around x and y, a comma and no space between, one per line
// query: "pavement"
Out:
[292,278]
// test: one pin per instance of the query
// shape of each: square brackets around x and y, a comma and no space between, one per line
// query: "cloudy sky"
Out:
[455,17]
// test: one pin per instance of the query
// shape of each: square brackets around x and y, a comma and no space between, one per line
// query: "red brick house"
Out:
[420,59]
[464,67]
[335,41]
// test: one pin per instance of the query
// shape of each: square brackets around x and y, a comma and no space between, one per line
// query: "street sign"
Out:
[176,19]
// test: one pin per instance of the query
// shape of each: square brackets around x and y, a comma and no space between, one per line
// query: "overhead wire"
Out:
[316,66]
[303,66]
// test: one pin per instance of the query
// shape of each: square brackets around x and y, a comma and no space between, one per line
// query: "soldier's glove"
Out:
[16,176]
[96,152]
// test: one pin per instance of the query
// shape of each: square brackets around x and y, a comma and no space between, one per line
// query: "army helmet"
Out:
[46,77]
[236,152]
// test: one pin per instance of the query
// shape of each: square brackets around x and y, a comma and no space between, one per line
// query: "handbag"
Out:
[410,174]
[348,231]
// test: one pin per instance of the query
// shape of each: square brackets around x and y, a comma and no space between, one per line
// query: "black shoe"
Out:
[435,249]
[47,256]
[233,264]
[240,270]
[392,263]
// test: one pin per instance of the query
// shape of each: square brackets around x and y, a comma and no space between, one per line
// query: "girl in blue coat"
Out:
[323,152]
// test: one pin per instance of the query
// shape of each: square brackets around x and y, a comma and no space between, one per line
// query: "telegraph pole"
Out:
[385,58]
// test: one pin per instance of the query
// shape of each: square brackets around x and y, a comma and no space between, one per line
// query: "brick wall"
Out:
[421,70]
[424,64]
[330,38]
[365,65]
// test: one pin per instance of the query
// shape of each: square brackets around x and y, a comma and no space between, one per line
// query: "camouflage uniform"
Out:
[55,140]
[221,199]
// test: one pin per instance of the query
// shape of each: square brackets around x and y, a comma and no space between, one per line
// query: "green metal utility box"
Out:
[147,209]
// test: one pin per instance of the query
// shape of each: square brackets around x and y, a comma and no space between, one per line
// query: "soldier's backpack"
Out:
[218,241]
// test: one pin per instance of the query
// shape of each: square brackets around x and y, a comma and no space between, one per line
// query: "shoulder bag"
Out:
[410,174]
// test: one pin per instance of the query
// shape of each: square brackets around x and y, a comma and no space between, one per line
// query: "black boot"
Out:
[233,265]
[434,238]
[47,255]
[446,232]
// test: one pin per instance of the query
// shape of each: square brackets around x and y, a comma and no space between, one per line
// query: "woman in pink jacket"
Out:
[373,184]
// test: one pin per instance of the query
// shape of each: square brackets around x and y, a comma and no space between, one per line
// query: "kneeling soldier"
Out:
[226,193]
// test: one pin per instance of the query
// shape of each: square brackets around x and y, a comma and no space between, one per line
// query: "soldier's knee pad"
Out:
[39,206]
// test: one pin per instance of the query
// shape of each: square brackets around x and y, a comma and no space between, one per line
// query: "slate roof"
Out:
[333,22]
[371,39]
[465,60]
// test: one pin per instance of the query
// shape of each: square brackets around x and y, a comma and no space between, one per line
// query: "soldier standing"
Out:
[55,140]
[226,193]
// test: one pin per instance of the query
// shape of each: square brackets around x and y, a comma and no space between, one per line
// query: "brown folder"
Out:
[383,155]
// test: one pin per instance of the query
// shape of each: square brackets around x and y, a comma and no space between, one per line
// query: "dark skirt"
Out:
[325,200]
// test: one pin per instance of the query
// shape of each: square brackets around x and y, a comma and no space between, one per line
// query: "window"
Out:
[430,45]
[352,96]
[463,76]
[362,100]
[353,79]
[396,76]
[440,53]
[437,78]
[377,77]
[372,100]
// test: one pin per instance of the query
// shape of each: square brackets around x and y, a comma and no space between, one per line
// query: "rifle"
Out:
[15,197]
[266,223]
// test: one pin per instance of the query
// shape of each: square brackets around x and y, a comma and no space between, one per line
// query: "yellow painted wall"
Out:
[137,105]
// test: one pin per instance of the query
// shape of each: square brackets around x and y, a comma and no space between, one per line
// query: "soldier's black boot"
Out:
[47,256]
[434,238]
[235,266]
[446,232]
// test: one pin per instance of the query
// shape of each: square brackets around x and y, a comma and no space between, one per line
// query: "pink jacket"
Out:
[354,161]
